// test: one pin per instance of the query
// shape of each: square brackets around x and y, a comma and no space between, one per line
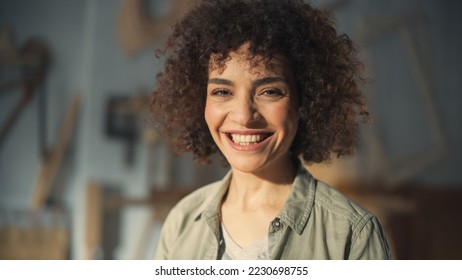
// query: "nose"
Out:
[245,111]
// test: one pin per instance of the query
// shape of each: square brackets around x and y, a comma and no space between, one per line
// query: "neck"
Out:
[269,187]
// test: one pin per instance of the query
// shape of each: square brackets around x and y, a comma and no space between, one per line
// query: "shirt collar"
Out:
[298,206]
[296,210]
[211,206]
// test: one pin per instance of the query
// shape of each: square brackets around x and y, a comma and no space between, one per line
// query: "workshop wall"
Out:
[88,61]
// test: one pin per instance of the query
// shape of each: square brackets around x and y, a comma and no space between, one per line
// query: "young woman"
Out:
[265,83]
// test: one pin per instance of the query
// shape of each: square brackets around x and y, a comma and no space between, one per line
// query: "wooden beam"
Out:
[94,219]
[50,165]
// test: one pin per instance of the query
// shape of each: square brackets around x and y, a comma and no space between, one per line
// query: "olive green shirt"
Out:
[316,222]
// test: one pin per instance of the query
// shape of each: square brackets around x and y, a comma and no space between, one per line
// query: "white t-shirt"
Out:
[256,251]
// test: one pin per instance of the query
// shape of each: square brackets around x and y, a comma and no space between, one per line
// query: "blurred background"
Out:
[84,176]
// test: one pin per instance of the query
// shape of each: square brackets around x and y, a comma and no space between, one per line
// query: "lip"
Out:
[252,147]
[247,132]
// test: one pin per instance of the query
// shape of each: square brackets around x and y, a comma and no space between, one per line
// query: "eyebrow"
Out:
[219,81]
[269,80]
[257,83]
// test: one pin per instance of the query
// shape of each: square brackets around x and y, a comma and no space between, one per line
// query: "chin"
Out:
[247,166]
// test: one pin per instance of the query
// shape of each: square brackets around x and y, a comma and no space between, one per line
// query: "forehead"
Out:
[244,61]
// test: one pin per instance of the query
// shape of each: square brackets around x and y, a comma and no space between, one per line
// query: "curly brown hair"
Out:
[326,69]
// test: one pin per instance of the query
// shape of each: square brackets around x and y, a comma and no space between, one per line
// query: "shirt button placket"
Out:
[276,224]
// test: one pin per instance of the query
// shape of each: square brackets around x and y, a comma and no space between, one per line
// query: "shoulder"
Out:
[332,201]
[367,239]
[313,200]
[189,207]
[195,202]
[324,199]
[192,206]
[181,226]
[330,206]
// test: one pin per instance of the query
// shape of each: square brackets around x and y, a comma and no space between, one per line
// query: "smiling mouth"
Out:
[246,140]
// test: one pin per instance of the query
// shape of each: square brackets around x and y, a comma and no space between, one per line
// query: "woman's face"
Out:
[251,111]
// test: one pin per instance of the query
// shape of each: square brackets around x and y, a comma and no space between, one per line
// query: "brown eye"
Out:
[272,93]
[221,92]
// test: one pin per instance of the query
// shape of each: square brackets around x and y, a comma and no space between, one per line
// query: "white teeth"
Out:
[245,140]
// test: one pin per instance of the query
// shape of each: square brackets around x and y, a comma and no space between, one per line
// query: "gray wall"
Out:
[88,60]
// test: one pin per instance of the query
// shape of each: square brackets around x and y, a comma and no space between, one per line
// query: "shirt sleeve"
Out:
[370,243]
[162,245]
[167,236]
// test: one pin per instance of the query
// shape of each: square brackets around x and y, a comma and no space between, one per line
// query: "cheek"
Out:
[284,116]
[207,114]
[293,123]
[212,114]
